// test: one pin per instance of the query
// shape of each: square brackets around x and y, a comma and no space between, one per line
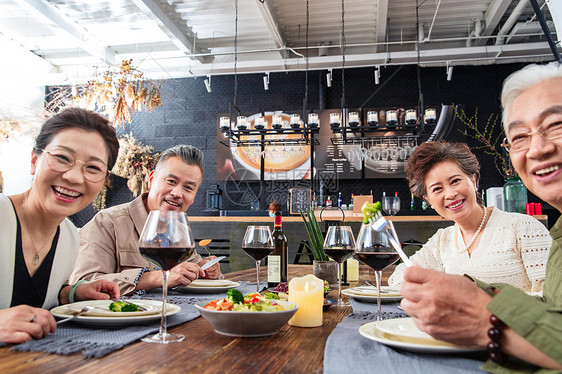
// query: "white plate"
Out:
[422,345]
[209,286]
[103,317]
[369,294]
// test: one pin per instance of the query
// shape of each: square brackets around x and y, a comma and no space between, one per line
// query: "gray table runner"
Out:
[347,351]
[71,337]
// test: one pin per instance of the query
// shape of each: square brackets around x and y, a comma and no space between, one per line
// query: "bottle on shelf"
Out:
[278,260]
[350,206]
[314,203]
[329,201]
[412,202]
[425,205]
[340,200]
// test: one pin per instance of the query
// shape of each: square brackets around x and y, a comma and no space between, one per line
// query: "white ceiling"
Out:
[183,38]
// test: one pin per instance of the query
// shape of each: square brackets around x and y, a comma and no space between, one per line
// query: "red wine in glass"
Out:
[257,253]
[377,260]
[339,254]
[168,257]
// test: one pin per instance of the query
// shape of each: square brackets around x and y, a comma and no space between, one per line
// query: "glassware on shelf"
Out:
[391,204]
[241,123]
[514,195]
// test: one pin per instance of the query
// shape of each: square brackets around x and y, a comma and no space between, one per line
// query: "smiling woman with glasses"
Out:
[71,159]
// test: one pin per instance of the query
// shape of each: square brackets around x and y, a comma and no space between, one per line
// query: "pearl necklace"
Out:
[477,231]
[37,257]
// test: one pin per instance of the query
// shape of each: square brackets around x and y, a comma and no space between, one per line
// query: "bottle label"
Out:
[273,269]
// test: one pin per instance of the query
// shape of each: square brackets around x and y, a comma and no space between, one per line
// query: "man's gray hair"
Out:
[189,154]
[522,79]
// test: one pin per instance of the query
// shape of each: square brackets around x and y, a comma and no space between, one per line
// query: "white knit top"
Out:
[513,249]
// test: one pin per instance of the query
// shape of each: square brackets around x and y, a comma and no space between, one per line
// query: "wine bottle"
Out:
[412,202]
[278,260]
[340,200]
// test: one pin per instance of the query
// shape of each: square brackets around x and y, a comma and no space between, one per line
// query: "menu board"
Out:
[341,159]
[299,200]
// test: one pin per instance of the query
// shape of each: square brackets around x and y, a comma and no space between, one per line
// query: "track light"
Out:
[377,74]
[208,83]
[329,78]
[449,72]
[266,81]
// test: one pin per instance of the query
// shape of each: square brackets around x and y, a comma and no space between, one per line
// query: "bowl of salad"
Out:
[251,315]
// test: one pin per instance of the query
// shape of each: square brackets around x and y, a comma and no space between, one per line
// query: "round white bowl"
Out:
[247,324]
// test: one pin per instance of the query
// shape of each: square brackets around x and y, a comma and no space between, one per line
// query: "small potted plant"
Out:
[322,266]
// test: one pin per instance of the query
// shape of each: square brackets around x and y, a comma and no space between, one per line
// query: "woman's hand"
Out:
[214,271]
[23,322]
[101,289]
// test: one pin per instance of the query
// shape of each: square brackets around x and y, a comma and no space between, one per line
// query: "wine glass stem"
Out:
[258,275]
[163,329]
[378,278]
[339,283]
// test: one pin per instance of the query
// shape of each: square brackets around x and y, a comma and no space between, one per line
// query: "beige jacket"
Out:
[109,246]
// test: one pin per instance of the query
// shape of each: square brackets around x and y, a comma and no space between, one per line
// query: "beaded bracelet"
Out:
[73,290]
[495,334]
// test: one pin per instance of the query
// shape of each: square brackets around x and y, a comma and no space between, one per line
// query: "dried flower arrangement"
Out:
[118,94]
[490,139]
[135,161]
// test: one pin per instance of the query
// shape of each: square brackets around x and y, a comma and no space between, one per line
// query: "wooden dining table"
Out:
[292,350]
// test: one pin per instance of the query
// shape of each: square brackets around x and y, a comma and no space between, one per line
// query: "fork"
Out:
[381,223]
[87,308]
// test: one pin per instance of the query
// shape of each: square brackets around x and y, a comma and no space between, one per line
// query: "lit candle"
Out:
[295,121]
[308,293]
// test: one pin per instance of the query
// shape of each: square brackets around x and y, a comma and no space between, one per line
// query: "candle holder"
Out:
[313,121]
[241,123]
[295,121]
[372,119]
[411,117]
[259,123]
[276,122]
[391,119]
[353,119]
[224,124]
[430,116]
[335,120]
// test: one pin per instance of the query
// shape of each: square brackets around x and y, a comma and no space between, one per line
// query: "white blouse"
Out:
[513,249]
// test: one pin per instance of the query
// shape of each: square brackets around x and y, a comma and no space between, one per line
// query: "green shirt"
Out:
[538,320]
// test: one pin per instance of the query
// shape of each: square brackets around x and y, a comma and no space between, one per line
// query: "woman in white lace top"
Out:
[486,243]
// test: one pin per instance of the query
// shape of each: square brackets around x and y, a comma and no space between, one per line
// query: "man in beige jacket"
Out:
[108,243]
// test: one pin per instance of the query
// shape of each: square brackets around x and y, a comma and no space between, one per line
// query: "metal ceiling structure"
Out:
[186,38]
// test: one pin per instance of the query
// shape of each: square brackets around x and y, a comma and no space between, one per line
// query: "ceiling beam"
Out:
[181,35]
[273,26]
[85,40]
[492,17]
[382,13]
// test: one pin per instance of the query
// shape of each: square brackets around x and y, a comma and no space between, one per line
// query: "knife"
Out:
[212,262]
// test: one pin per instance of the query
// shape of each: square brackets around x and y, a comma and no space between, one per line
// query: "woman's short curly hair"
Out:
[429,154]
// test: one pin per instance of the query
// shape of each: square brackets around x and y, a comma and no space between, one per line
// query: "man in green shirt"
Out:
[458,310]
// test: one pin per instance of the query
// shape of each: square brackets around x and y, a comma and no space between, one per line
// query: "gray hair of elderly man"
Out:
[522,79]
[189,154]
